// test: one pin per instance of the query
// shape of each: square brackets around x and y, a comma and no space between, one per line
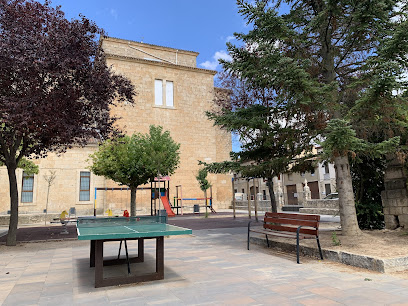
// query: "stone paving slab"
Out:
[211,267]
[383,265]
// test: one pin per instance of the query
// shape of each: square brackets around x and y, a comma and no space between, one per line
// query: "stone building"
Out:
[173,93]
[289,187]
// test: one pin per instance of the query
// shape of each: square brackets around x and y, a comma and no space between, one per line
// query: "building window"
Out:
[169,94]
[326,168]
[159,98]
[84,186]
[158,92]
[327,188]
[312,172]
[28,188]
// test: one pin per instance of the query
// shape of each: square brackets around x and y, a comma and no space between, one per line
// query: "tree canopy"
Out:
[312,62]
[135,160]
[55,86]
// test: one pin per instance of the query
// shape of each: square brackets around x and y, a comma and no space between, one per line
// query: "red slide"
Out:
[166,205]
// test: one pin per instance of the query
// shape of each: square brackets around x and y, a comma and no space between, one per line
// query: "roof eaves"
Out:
[135,59]
[142,43]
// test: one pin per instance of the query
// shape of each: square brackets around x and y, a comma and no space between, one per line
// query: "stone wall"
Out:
[262,205]
[395,196]
[321,207]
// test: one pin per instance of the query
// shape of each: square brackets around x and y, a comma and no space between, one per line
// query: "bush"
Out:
[370,215]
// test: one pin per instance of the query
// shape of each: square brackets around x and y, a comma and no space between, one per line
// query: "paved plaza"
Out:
[211,267]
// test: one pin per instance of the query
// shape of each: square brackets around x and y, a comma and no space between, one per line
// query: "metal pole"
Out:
[249,200]
[233,197]
[211,198]
[181,199]
[159,193]
[95,204]
[255,199]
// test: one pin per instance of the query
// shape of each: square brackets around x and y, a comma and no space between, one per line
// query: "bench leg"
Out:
[249,226]
[297,244]
[297,248]
[320,249]
[267,241]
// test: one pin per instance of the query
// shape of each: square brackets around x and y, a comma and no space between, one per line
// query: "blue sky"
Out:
[203,26]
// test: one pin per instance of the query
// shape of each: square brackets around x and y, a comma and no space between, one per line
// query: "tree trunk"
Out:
[272,195]
[206,208]
[133,201]
[12,232]
[348,216]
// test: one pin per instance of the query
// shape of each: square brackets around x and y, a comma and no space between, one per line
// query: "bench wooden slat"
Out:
[292,222]
[281,228]
[293,216]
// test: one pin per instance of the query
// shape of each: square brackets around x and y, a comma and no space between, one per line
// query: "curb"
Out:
[385,265]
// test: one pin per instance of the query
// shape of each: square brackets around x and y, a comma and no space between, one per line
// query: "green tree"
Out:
[136,160]
[332,57]
[55,87]
[204,184]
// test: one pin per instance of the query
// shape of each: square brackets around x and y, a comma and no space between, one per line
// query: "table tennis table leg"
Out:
[140,249]
[92,254]
[99,263]
[120,247]
[160,257]
[97,258]
[127,257]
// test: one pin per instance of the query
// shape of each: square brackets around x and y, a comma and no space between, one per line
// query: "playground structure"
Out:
[157,187]
[159,191]
[178,201]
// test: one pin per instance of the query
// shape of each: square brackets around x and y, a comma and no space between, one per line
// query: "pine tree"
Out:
[321,61]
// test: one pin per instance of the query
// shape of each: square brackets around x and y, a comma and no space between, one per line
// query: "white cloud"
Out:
[229,38]
[114,13]
[212,65]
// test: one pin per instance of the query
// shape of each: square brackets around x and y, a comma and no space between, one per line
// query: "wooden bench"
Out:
[286,225]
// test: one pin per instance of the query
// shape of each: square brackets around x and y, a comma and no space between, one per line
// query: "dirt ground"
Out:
[375,243]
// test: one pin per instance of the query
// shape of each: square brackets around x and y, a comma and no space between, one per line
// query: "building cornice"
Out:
[157,47]
[157,63]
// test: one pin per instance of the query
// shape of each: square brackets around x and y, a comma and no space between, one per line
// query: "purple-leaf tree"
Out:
[55,87]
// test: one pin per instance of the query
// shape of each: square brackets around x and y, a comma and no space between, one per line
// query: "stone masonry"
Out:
[395,196]
[186,120]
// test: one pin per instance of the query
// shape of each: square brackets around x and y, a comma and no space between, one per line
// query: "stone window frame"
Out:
[78,187]
[87,190]
[24,179]
[19,176]
[164,93]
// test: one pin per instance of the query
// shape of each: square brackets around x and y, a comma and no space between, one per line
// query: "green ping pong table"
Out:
[100,230]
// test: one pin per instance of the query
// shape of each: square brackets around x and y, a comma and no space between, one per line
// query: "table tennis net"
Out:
[115,221]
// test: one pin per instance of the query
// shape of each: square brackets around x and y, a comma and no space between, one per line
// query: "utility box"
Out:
[196,208]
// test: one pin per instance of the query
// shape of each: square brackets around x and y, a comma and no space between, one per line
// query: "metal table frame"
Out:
[96,260]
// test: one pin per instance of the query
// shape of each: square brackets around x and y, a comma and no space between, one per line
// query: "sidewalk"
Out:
[3,231]
[211,267]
